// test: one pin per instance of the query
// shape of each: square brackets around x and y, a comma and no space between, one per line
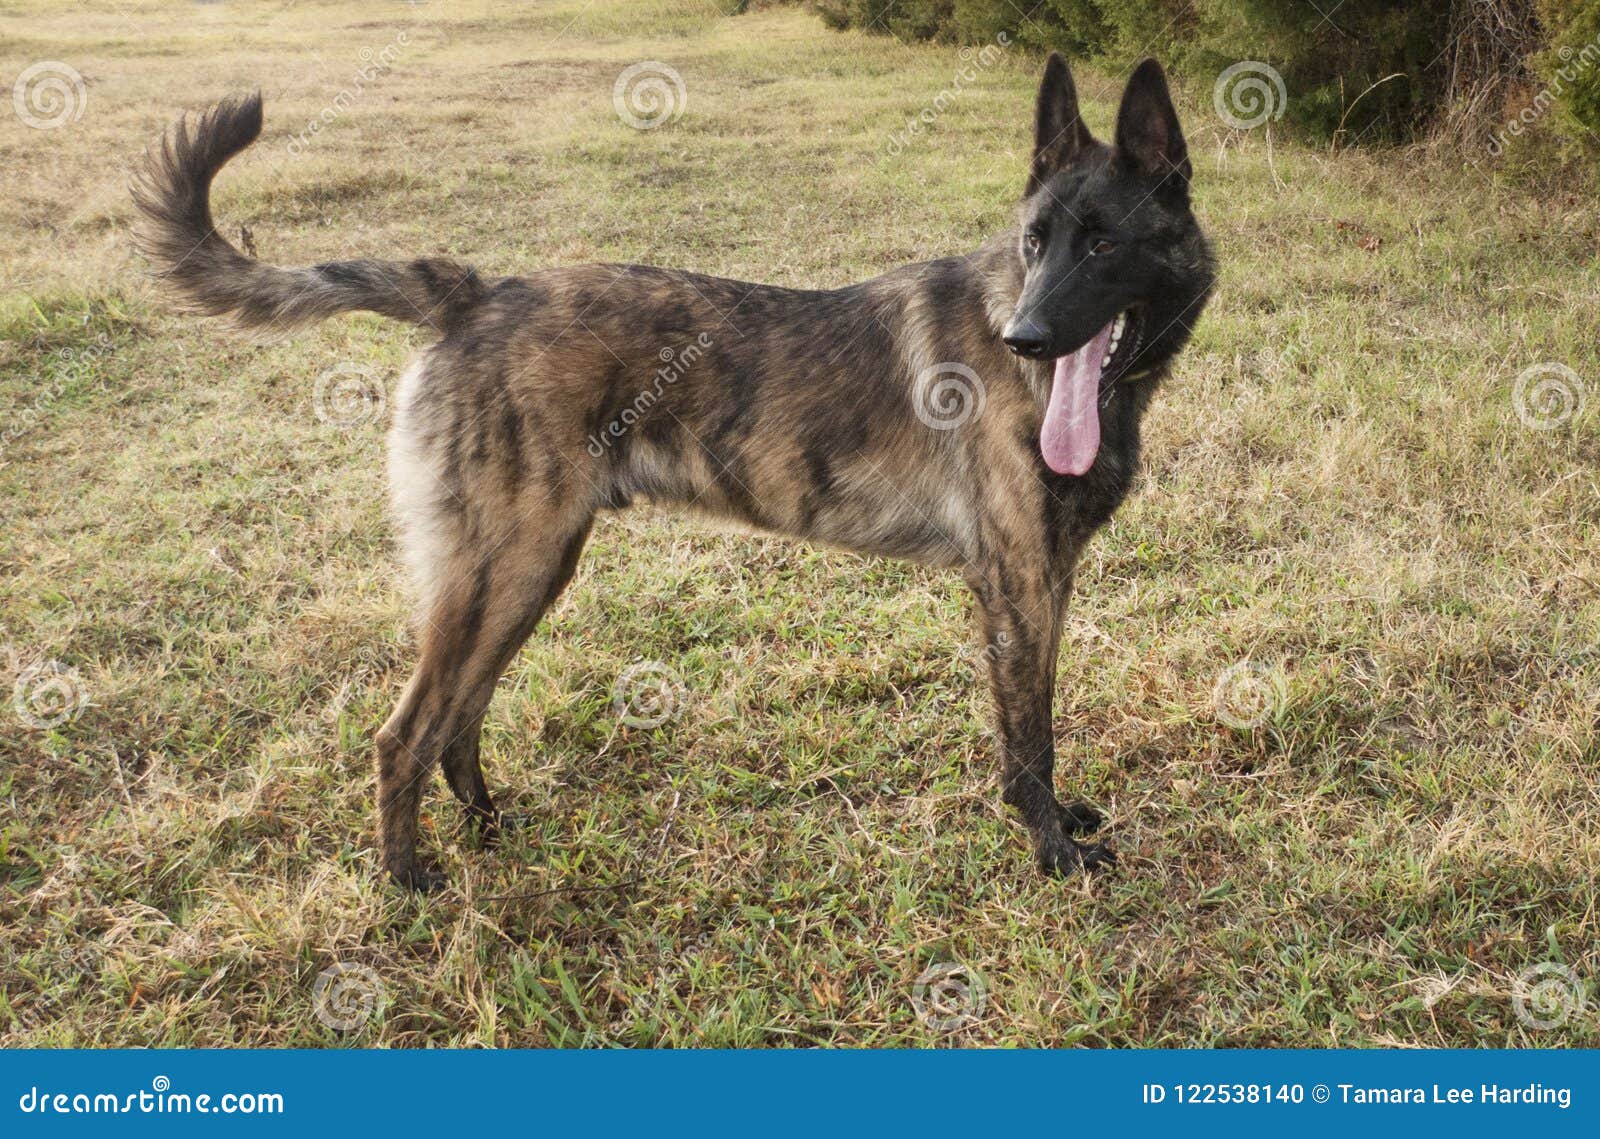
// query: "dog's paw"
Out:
[490,829]
[417,878]
[1062,857]
[1079,818]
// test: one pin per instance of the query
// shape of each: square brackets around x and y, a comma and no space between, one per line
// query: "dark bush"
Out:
[1368,70]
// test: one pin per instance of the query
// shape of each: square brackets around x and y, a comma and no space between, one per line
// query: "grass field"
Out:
[1333,673]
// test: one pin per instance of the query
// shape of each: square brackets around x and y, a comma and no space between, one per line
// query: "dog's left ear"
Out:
[1148,136]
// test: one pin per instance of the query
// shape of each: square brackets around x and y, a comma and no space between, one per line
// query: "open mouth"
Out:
[1069,438]
[1127,333]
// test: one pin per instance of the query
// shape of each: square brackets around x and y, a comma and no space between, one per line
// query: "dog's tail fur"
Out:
[210,276]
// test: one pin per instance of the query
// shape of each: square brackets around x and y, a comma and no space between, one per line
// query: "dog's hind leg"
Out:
[476,622]
[465,776]
[462,769]
[464,773]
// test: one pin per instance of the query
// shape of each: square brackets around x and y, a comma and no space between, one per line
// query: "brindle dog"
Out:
[978,412]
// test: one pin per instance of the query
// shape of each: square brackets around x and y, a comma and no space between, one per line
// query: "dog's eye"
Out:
[1102,247]
[1031,241]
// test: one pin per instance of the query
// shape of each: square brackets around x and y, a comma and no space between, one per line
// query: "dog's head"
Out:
[1115,267]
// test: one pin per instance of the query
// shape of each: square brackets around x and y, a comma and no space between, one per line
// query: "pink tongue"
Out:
[1070,436]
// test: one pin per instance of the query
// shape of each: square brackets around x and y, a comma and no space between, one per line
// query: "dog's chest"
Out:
[1080,506]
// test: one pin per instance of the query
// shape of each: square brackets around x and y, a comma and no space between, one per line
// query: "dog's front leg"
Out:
[1022,610]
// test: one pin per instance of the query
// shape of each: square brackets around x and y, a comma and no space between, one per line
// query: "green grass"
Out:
[1339,490]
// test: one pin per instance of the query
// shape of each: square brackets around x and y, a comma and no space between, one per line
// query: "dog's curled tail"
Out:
[209,275]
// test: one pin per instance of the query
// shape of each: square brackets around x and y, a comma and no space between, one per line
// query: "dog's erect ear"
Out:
[1148,136]
[1059,135]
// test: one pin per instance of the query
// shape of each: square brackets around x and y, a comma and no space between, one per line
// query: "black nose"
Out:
[1025,338]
